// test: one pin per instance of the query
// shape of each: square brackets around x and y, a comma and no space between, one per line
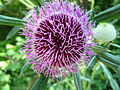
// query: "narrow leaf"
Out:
[40,84]
[38,2]
[77,80]
[10,18]
[108,63]
[5,20]
[13,32]
[111,13]
[116,45]
[28,5]
[113,58]
[112,81]
[92,62]
[25,67]
[17,28]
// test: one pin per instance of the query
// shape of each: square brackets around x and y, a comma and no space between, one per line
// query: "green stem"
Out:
[92,76]
[77,80]
[92,4]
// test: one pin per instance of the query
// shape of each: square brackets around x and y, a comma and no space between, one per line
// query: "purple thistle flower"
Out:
[59,38]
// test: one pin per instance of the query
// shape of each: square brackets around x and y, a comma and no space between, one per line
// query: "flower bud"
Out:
[105,32]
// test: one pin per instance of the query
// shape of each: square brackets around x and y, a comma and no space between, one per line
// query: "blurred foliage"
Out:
[11,61]
[96,76]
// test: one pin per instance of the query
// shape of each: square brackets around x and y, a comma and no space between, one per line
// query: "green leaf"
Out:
[116,45]
[30,3]
[111,13]
[108,63]
[17,28]
[100,48]
[27,3]
[13,32]
[25,67]
[86,79]
[77,80]
[106,55]
[4,5]
[92,62]
[118,72]
[108,74]
[11,21]
[40,84]
[38,2]
[112,58]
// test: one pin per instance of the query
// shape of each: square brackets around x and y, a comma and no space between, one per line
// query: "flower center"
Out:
[60,35]
[57,40]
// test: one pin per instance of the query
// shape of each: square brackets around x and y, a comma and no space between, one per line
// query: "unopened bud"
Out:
[104,32]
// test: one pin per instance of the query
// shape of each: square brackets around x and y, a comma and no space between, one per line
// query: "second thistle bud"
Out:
[105,32]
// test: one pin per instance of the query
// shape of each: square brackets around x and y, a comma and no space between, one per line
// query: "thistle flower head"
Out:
[59,38]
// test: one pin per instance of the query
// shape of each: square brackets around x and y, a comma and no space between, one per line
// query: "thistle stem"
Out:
[77,80]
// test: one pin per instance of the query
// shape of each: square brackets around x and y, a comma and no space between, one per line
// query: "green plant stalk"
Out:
[84,83]
[39,2]
[92,62]
[92,76]
[31,83]
[17,28]
[77,80]
[90,65]
[92,4]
